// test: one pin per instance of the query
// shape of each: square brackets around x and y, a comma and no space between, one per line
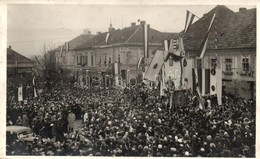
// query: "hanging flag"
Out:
[166,44]
[146,29]
[20,93]
[107,37]
[205,41]
[35,92]
[196,87]
[116,71]
[189,20]
[61,51]
[155,66]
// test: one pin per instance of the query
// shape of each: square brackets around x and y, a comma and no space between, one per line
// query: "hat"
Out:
[173,149]
[186,153]
[209,137]
[159,146]
[202,149]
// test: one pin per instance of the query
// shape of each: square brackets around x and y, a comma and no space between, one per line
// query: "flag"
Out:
[155,66]
[116,70]
[205,41]
[196,88]
[219,85]
[166,44]
[61,51]
[20,93]
[208,81]
[146,29]
[107,37]
[140,62]
[189,20]
[35,93]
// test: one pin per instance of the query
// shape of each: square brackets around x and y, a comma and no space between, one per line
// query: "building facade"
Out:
[124,47]
[231,45]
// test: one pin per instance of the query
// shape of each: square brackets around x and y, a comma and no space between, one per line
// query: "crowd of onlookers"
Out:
[131,122]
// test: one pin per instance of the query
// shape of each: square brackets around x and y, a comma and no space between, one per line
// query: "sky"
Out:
[31,25]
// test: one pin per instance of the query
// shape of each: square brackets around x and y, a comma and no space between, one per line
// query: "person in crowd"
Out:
[135,122]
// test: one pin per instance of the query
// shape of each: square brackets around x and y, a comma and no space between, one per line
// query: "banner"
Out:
[155,66]
[20,93]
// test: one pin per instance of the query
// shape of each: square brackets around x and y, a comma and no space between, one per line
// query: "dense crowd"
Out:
[134,122]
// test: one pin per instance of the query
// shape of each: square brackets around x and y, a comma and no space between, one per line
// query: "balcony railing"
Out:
[247,73]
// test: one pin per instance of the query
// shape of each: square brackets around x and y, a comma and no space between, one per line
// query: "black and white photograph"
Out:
[130,80]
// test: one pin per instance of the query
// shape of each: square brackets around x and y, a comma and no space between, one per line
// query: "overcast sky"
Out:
[29,26]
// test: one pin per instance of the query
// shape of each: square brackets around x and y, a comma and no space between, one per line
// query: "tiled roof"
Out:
[234,30]
[13,56]
[129,35]
[77,41]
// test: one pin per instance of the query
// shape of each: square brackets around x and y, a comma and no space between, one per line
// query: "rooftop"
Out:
[230,29]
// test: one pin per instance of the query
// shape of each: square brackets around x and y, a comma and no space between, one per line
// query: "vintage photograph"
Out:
[135,80]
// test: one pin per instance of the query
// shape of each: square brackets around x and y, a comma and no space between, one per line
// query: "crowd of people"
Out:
[134,122]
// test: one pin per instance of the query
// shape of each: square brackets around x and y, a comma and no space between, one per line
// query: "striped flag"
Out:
[196,89]
[189,20]
[205,41]
[146,29]
[208,81]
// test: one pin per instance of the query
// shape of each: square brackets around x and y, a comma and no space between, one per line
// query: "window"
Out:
[100,60]
[245,64]
[86,60]
[92,60]
[109,61]
[228,62]
[213,63]
[105,61]
[78,60]
[119,58]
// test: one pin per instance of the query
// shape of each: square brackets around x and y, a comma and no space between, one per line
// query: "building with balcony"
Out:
[231,45]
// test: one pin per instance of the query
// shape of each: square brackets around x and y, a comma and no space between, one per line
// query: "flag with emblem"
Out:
[155,66]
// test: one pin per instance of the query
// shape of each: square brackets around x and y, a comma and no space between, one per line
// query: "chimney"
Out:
[86,31]
[10,47]
[133,24]
[242,9]
[142,22]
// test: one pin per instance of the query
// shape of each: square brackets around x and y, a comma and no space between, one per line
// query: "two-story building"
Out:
[122,46]
[231,45]
[65,55]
